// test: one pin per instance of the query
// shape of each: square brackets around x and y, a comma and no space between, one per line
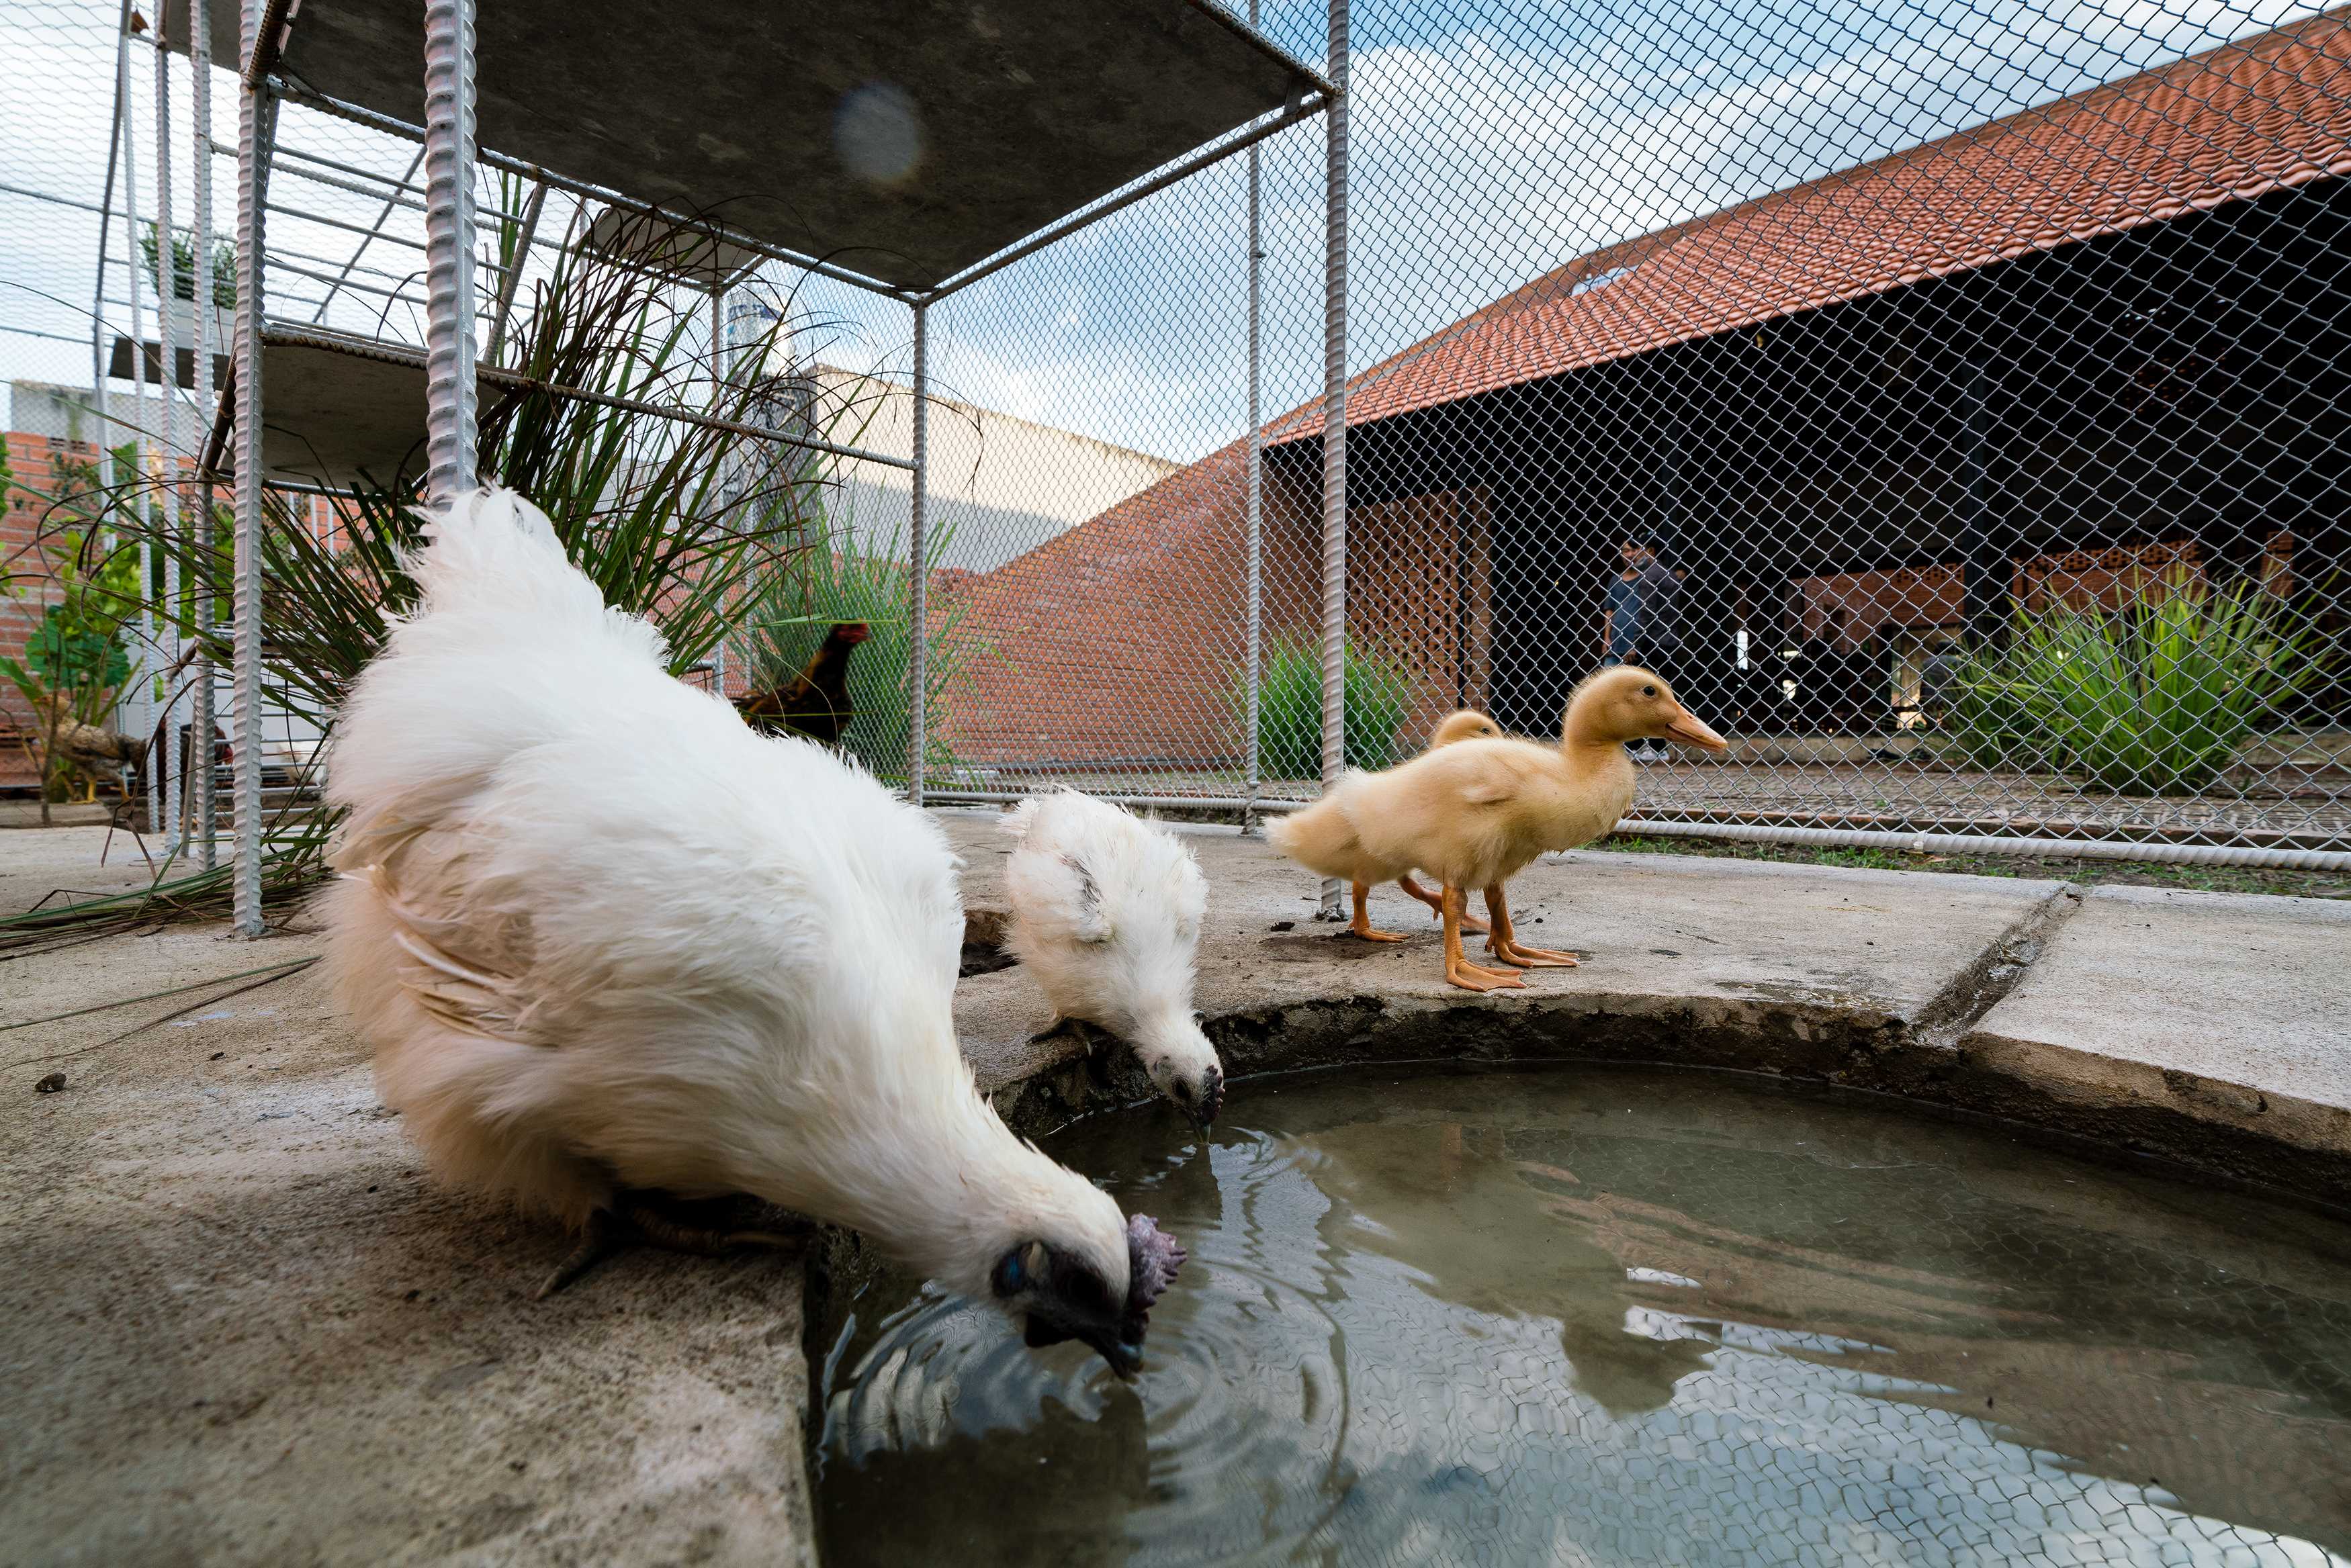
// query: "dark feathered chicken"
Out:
[96,751]
[815,702]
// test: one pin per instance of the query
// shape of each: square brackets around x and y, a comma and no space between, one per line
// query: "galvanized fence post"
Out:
[200,738]
[918,635]
[167,784]
[255,134]
[142,689]
[97,377]
[1334,428]
[1252,675]
[449,387]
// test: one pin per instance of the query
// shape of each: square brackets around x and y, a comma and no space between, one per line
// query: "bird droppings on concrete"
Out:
[50,1084]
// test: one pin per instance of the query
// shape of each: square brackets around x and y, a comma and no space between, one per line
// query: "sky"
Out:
[1492,140]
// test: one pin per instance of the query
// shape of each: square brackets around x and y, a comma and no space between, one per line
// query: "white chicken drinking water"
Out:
[617,954]
[1106,912]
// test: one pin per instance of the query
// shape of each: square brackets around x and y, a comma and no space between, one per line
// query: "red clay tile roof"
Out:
[2232,123]
[1137,611]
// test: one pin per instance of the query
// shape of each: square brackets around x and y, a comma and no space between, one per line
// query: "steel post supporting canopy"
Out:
[902,139]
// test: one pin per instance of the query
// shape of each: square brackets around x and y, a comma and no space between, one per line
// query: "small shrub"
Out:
[1987,715]
[2158,698]
[1378,694]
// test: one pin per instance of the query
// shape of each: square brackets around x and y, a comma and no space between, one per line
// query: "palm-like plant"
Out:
[75,662]
[682,524]
[2157,699]
[1984,713]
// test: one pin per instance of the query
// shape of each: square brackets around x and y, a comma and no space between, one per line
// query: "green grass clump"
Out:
[2157,699]
[1289,708]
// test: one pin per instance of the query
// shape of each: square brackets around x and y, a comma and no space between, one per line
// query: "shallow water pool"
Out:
[1605,1316]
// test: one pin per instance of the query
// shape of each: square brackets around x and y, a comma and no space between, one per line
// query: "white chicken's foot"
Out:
[598,1242]
[700,1227]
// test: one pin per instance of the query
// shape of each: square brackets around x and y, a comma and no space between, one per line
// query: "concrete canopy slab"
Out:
[2234,1009]
[329,417]
[333,416]
[689,255]
[905,140]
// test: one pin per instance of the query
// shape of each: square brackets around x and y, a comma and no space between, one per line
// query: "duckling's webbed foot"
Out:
[1459,971]
[1504,944]
[706,1228]
[1471,977]
[1361,925]
[1471,924]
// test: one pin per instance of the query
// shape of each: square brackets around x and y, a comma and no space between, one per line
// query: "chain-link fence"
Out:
[1945,399]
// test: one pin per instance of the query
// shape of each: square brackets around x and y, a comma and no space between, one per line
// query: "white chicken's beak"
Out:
[1105,1340]
[1211,1100]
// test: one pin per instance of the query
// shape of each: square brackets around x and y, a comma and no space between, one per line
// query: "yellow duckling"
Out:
[1327,841]
[1474,813]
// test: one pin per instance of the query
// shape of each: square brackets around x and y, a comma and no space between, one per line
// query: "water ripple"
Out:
[1597,1317]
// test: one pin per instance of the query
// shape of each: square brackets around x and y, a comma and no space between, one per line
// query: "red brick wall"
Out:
[34,461]
[1121,640]
[1113,641]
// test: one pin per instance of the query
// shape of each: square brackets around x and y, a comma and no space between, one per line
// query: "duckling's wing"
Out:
[1476,772]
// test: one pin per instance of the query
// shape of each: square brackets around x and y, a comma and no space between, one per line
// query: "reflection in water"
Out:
[1605,1316]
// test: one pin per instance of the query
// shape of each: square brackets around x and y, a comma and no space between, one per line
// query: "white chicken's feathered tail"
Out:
[511,647]
[491,553]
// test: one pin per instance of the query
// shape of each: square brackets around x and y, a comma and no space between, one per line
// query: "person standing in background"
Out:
[1642,624]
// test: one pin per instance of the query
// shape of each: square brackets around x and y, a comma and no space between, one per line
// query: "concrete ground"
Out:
[243,1325]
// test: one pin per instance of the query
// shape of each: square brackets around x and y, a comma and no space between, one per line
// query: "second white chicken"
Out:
[1106,912]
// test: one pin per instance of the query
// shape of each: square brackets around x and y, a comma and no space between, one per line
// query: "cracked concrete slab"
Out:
[243,1327]
[2233,1009]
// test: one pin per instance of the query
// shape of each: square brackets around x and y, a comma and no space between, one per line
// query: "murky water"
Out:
[1615,1317]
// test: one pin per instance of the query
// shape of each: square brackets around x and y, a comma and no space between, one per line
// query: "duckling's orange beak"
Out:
[1687,728]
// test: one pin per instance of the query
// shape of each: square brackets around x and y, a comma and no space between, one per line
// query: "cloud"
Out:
[1490,144]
